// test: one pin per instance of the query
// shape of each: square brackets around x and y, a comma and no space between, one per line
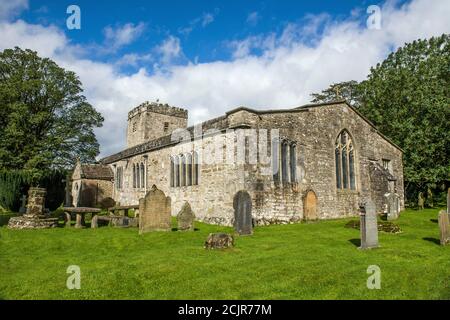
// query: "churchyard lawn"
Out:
[301,261]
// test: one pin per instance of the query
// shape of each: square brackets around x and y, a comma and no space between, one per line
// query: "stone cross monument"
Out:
[35,217]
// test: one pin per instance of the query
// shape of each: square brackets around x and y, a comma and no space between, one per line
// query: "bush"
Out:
[14,183]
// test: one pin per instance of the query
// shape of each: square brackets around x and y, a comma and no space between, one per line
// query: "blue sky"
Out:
[212,56]
[205,29]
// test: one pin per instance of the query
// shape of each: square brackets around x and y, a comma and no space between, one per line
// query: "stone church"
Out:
[317,161]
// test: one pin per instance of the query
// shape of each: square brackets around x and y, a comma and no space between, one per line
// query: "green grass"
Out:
[302,261]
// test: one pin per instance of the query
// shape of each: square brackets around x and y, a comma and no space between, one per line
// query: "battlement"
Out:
[152,120]
[158,108]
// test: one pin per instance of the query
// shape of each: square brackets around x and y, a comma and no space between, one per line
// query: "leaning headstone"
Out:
[369,226]
[392,200]
[185,218]
[219,241]
[23,205]
[242,204]
[35,217]
[444,228]
[420,201]
[154,212]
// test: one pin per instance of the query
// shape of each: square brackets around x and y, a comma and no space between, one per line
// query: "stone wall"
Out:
[314,129]
[150,121]
[211,200]
[90,192]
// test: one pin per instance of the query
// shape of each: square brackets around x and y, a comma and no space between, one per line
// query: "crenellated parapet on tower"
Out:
[152,120]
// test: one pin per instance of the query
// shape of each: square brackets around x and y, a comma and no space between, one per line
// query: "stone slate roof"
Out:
[221,123]
[375,166]
[96,171]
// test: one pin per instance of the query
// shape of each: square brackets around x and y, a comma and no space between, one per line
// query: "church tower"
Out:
[152,120]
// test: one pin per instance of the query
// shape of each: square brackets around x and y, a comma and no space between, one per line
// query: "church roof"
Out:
[221,123]
[96,171]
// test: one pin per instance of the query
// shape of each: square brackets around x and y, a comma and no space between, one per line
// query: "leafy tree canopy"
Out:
[407,97]
[348,90]
[45,121]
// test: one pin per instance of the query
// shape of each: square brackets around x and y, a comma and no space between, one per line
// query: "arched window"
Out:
[119,177]
[276,159]
[195,173]
[172,172]
[138,179]
[183,170]
[142,175]
[345,161]
[293,161]
[134,175]
[284,161]
[189,169]
[177,171]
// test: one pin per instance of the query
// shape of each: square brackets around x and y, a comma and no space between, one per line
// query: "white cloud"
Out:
[45,40]
[204,20]
[9,9]
[134,59]
[122,35]
[253,18]
[285,71]
[207,18]
[169,50]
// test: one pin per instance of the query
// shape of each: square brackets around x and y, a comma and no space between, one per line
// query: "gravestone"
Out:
[185,218]
[369,226]
[242,204]
[444,228]
[23,205]
[392,200]
[154,212]
[421,201]
[219,241]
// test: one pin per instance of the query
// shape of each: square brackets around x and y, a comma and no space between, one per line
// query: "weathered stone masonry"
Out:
[311,130]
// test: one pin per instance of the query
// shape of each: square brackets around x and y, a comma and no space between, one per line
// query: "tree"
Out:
[45,121]
[407,97]
[347,90]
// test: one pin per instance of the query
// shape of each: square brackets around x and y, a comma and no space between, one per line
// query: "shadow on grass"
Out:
[356,242]
[434,220]
[176,229]
[434,240]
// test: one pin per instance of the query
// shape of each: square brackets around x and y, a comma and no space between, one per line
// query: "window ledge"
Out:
[286,185]
[347,191]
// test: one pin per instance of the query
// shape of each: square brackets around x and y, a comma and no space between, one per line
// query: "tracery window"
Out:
[284,161]
[119,178]
[184,170]
[143,177]
[345,161]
